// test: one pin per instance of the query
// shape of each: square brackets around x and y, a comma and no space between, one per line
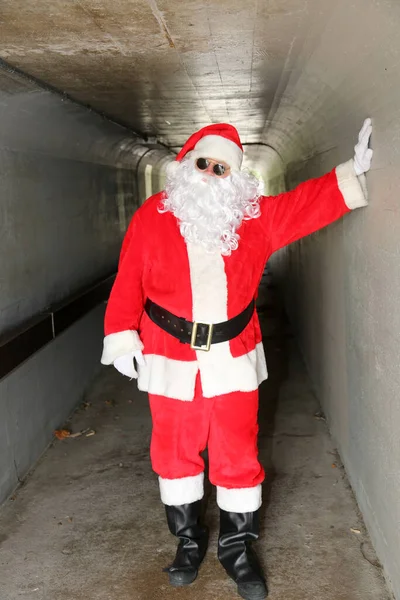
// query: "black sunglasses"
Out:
[203,163]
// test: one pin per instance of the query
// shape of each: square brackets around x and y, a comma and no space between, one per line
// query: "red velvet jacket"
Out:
[157,263]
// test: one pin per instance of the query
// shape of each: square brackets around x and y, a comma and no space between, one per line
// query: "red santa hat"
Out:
[220,142]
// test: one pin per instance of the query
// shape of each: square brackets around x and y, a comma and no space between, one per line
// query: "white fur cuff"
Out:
[353,188]
[239,500]
[175,492]
[118,344]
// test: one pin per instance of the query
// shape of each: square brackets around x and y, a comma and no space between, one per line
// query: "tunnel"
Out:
[96,100]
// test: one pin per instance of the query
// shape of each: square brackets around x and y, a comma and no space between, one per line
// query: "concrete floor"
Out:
[88,524]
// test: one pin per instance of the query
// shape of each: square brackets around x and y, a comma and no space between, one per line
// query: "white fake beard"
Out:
[209,209]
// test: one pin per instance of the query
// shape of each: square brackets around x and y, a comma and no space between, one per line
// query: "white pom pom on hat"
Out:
[220,142]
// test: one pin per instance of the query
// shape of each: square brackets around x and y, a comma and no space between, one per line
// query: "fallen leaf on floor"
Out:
[334,466]
[320,416]
[66,433]
[353,530]
[91,432]
[111,402]
[61,434]
[80,433]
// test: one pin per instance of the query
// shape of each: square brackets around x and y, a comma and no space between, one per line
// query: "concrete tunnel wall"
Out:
[342,284]
[68,188]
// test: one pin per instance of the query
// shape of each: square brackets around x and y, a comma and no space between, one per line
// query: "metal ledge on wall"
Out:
[20,344]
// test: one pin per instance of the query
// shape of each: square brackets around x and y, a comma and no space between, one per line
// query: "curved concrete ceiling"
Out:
[280,70]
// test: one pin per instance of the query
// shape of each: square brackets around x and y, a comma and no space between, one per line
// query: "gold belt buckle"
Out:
[207,347]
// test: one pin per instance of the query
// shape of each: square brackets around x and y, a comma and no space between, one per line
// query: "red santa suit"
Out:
[199,397]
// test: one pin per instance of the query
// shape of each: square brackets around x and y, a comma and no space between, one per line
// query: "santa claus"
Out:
[183,307]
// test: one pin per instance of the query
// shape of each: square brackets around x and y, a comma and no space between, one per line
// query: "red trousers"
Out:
[228,425]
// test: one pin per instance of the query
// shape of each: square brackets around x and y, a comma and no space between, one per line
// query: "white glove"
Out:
[124,364]
[363,154]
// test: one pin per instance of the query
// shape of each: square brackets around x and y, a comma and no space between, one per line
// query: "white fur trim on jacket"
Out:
[168,377]
[118,344]
[219,148]
[175,492]
[353,188]
[177,378]
[239,500]
[209,285]
[220,372]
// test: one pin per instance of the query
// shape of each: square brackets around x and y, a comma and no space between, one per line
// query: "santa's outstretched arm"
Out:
[318,202]
[125,306]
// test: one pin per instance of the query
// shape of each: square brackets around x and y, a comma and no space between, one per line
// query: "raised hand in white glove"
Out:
[124,364]
[363,154]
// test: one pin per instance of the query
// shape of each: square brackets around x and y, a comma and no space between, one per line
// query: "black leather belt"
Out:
[200,336]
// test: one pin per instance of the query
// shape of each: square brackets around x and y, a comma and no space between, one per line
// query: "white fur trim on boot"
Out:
[239,500]
[118,344]
[175,492]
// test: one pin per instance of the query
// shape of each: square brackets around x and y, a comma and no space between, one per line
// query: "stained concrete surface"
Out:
[291,73]
[88,523]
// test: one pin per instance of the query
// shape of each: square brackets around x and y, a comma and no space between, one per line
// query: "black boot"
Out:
[237,531]
[184,523]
